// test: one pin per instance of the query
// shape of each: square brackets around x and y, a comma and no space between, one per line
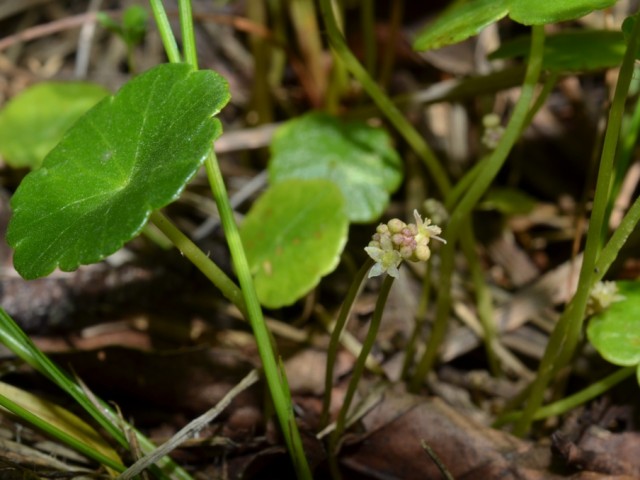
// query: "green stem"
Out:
[564,337]
[281,401]
[484,300]
[464,184]
[188,34]
[334,342]
[202,262]
[389,54]
[629,139]
[12,336]
[470,177]
[261,101]
[461,214]
[572,401]
[166,34]
[61,435]
[610,251]
[305,23]
[359,367]
[367,22]
[279,390]
[420,321]
[395,116]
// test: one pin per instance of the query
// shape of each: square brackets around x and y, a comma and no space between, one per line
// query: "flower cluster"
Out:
[602,295]
[396,241]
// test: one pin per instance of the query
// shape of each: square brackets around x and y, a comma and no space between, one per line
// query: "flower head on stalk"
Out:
[602,295]
[396,241]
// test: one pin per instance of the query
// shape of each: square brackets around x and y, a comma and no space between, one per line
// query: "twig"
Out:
[190,429]
[84,41]
[436,459]
[49,28]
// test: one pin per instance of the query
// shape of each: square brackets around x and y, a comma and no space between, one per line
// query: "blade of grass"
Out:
[12,336]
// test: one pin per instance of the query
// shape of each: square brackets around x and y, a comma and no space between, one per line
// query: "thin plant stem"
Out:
[462,212]
[395,116]
[566,334]
[188,34]
[261,51]
[304,19]
[444,471]
[367,22]
[279,390]
[14,338]
[464,184]
[484,300]
[281,401]
[569,403]
[388,56]
[334,342]
[420,321]
[470,177]
[610,251]
[166,34]
[61,435]
[202,262]
[629,139]
[339,82]
[358,370]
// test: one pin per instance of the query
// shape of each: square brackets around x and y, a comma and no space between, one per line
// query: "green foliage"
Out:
[34,121]
[460,22]
[509,201]
[615,332]
[566,50]
[294,235]
[467,19]
[355,156]
[133,26]
[535,12]
[131,154]
[60,423]
[325,173]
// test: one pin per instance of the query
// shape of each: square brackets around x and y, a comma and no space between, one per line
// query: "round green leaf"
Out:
[355,156]
[573,50]
[536,12]
[293,235]
[34,121]
[131,154]
[466,19]
[460,22]
[615,333]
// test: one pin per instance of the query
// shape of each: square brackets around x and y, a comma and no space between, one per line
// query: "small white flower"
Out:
[426,230]
[602,295]
[386,261]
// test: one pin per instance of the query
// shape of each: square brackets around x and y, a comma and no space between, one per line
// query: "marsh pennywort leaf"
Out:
[535,12]
[293,235]
[355,156]
[460,22]
[34,121]
[131,154]
[467,19]
[615,332]
[572,50]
